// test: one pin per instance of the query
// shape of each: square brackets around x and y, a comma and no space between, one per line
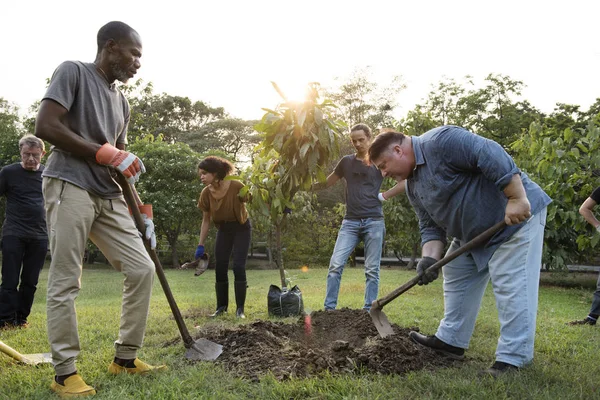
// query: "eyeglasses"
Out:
[36,156]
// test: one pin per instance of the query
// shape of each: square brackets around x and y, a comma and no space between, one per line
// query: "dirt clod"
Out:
[341,341]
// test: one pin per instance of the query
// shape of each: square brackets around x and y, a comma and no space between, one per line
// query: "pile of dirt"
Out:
[340,341]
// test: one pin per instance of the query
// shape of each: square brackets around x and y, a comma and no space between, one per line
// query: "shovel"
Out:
[29,359]
[380,319]
[201,349]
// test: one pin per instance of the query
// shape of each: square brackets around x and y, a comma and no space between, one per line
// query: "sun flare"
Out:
[295,91]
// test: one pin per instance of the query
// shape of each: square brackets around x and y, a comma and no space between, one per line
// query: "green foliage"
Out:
[172,186]
[311,231]
[563,163]
[10,133]
[299,139]
[401,224]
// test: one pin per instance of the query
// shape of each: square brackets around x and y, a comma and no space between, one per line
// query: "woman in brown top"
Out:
[220,201]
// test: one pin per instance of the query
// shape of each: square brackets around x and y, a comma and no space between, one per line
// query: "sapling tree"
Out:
[299,139]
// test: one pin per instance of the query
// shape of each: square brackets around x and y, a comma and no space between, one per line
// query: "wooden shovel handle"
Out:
[139,222]
[473,243]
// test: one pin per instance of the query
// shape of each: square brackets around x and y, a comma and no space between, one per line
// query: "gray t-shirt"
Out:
[362,188]
[99,113]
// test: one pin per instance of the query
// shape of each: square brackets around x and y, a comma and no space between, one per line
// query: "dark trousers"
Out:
[232,238]
[25,258]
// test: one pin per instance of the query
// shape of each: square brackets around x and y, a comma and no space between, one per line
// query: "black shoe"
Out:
[455,353]
[222,291]
[220,311]
[7,324]
[240,288]
[587,321]
[499,368]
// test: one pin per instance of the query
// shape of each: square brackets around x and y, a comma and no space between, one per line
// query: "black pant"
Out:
[15,299]
[232,237]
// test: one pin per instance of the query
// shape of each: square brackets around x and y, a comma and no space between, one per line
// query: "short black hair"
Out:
[115,30]
[382,142]
[216,165]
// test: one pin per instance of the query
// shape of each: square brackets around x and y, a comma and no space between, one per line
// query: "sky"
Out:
[226,52]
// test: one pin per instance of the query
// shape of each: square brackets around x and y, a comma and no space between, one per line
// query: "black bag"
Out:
[285,303]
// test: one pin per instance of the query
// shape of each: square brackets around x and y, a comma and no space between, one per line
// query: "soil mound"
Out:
[340,341]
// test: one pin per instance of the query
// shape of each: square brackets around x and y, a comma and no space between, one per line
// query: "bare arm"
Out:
[398,188]
[518,208]
[50,125]
[331,180]
[586,211]
[204,228]
[433,249]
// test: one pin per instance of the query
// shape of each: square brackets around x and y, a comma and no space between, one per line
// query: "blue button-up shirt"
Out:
[457,188]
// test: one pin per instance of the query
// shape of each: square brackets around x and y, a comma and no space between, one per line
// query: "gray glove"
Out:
[425,263]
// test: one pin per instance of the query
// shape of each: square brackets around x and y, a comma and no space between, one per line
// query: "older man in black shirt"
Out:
[24,235]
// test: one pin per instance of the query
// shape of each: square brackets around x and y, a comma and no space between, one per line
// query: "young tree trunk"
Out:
[279,255]
[172,236]
[174,257]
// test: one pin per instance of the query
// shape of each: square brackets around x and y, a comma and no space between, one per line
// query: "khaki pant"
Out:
[73,215]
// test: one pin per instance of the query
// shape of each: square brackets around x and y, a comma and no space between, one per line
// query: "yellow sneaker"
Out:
[140,368]
[74,386]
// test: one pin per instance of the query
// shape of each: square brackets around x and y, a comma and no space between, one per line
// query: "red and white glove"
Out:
[128,163]
[146,211]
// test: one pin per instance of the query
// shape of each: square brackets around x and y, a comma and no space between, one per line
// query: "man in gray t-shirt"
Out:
[363,219]
[84,115]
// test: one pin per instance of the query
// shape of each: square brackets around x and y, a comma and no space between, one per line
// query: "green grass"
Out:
[565,366]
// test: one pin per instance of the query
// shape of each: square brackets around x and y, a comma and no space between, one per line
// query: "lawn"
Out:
[565,364]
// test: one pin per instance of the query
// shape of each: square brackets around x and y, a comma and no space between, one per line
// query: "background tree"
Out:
[492,111]
[164,114]
[10,133]
[233,136]
[171,184]
[563,163]
[360,99]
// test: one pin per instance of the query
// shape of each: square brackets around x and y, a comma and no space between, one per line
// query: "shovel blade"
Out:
[381,322]
[204,350]
[35,359]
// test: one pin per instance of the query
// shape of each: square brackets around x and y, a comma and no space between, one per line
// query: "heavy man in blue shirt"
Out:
[460,184]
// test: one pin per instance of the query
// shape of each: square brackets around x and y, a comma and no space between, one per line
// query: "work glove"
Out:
[199,251]
[425,263]
[129,164]
[146,211]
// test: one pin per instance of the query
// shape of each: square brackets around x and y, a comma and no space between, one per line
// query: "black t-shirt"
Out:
[363,184]
[25,214]
[596,195]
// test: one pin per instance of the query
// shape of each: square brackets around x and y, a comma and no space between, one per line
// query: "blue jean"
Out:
[514,270]
[595,310]
[372,232]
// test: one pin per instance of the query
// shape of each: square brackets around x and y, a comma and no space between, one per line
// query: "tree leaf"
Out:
[303,150]
[283,96]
